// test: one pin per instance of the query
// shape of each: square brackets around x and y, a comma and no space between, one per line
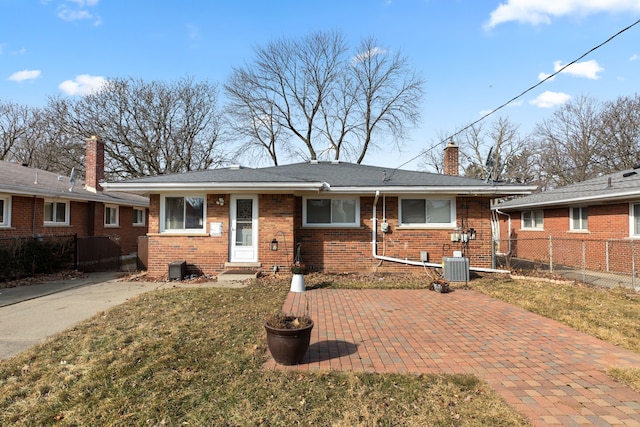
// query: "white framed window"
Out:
[579,219]
[533,220]
[427,212]
[139,216]
[5,211]
[56,212]
[634,219]
[331,211]
[111,216]
[183,214]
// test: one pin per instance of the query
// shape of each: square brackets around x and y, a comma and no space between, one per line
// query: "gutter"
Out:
[374,247]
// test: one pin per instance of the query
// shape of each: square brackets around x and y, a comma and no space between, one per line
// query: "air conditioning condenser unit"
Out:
[456,269]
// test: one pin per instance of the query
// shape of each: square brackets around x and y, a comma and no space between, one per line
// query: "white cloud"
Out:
[23,75]
[538,12]
[84,84]
[549,99]
[634,57]
[361,57]
[587,69]
[77,10]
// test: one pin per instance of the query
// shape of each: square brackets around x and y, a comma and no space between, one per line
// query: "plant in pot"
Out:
[297,280]
[288,337]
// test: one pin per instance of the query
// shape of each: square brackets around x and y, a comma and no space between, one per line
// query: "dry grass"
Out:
[609,314]
[195,357]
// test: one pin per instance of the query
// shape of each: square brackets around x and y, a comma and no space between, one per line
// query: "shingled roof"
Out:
[316,176]
[617,186]
[22,180]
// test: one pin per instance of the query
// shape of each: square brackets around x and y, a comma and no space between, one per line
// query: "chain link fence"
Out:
[610,263]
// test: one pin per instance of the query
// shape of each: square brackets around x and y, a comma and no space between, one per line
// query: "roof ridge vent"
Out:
[628,174]
[313,161]
[335,162]
[234,167]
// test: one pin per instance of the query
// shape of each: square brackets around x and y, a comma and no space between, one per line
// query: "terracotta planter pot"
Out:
[288,346]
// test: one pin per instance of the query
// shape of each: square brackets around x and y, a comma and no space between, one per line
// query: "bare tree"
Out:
[148,128]
[14,127]
[568,144]
[488,153]
[619,133]
[388,94]
[312,100]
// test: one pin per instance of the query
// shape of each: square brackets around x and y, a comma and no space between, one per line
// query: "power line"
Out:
[450,137]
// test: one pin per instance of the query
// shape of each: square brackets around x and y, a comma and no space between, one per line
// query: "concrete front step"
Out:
[236,275]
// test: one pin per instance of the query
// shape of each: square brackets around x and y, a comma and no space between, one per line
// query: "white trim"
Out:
[183,231]
[67,211]
[108,208]
[6,210]
[535,227]
[582,220]
[144,217]
[355,198]
[417,225]
[632,225]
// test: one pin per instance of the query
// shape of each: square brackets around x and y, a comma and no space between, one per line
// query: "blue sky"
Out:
[473,54]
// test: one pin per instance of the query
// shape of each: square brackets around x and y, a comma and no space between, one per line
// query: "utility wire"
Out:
[450,137]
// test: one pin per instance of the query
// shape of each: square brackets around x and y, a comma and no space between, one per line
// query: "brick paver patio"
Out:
[549,372]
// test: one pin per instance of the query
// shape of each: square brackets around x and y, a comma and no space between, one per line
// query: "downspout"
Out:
[374,247]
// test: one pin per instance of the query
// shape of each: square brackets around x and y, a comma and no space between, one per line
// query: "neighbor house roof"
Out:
[334,177]
[25,181]
[614,187]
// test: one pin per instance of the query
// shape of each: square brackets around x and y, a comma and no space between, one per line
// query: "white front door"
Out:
[243,246]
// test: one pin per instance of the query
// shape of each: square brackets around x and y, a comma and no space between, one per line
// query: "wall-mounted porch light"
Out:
[472,234]
[274,244]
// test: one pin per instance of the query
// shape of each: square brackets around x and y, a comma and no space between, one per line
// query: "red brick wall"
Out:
[573,248]
[24,223]
[333,249]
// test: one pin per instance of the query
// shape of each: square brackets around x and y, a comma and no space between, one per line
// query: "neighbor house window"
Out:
[331,212]
[5,211]
[533,220]
[634,220]
[428,212]
[111,216]
[579,219]
[56,212]
[139,216]
[183,214]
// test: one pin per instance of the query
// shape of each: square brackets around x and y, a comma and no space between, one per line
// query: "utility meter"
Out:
[384,227]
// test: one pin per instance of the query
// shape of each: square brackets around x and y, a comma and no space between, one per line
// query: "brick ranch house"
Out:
[339,217]
[595,222]
[37,203]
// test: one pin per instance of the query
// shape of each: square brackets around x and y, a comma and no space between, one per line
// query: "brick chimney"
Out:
[94,158]
[451,159]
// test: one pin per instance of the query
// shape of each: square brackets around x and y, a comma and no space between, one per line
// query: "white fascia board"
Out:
[573,201]
[212,186]
[461,191]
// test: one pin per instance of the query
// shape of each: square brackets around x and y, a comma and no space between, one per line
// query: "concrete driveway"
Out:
[30,314]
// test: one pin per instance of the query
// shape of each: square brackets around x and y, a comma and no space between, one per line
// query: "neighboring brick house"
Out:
[339,216]
[34,203]
[593,223]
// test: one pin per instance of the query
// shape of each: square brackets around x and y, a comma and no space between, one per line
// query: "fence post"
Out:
[606,250]
[75,252]
[633,264]
[584,261]
[550,255]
